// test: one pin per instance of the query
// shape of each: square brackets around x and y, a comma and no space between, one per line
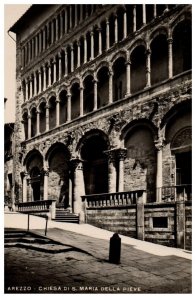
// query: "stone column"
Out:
[148,68]
[57,112]
[60,67]
[54,70]
[81,101]
[40,81]
[44,78]
[140,218]
[68,106]
[100,41]
[47,117]
[78,62]
[44,39]
[115,29]
[35,83]
[159,180]
[38,123]
[85,49]
[31,88]
[29,126]
[144,14]
[111,170]
[66,68]
[128,78]
[78,186]
[70,19]
[107,34]
[134,18]
[180,224]
[95,94]
[125,24]
[57,29]
[170,57]
[92,44]
[121,154]
[155,11]
[46,175]
[72,58]
[111,86]
[24,187]
[76,15]
[26,90]
[49,74]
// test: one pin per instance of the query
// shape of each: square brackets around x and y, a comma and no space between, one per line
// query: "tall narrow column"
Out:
[155,10]
[68,106]
[46,175]
[24,187]
[44,39]
[134,18]
[111,171]
[111,86]
[57,112]
[143,14]
[100,41]
[60,67]
[70,18]
[128,79]
[72,58]
[31,87]
[78,186]
[66,20]
[85,49]
[148,68]
[38,123]
[57,28]
[54,70]
[115,29]
[26,90]
[76,15]
[40,81]
[29,126]
[78,60]
[125,24]
[81,100]
[66,68]
[170,57]
[92,45]
[44,78]
[107,34]
[159,147]
[35,83]
[47,117]
[95,94]
[122,153]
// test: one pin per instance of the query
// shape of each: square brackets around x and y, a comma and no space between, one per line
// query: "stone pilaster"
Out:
[121,155]
[170,57]
[148,68]
[46,175]
[159,179]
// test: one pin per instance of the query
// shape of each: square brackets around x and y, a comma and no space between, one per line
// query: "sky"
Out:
[12,12]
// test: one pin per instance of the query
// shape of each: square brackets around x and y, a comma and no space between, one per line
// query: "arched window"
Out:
[88,94]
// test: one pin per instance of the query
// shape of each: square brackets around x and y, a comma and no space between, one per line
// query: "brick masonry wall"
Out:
[120,220]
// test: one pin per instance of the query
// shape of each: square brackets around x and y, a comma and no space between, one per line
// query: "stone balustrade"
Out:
[42,206]
[176,193]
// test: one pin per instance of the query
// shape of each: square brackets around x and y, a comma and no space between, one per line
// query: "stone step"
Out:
[49,248]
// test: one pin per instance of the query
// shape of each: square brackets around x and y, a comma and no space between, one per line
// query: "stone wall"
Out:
[188,226]
[121,220]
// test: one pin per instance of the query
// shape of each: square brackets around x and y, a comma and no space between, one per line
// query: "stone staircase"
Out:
[63,215]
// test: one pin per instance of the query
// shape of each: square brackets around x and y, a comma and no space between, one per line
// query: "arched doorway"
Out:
[95,165]
[36,183]
[140,163]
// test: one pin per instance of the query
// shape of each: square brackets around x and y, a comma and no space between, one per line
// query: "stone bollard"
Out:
[115,249]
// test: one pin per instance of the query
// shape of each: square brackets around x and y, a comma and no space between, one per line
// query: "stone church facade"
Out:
[103,116]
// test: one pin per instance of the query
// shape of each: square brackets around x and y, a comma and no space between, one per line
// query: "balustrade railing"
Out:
[37,206]
[114,199]
[176,193]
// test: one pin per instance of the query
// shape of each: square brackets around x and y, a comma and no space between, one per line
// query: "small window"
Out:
[160,222]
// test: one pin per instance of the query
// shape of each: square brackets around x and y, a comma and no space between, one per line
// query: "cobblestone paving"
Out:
[30,271]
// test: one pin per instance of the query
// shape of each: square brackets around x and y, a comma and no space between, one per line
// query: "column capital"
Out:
[110,72]
[46,171]
[111,154]
[159,144]
[78,43]
[121,153]
[128,62]
[76,164]
[92,33]
[148,51]
[170,40]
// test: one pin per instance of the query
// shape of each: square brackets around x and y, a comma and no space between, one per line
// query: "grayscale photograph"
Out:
[98,148]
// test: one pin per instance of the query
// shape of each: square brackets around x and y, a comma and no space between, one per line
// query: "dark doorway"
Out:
[184,168]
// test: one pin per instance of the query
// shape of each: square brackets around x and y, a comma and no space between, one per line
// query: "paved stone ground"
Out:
[90,271]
